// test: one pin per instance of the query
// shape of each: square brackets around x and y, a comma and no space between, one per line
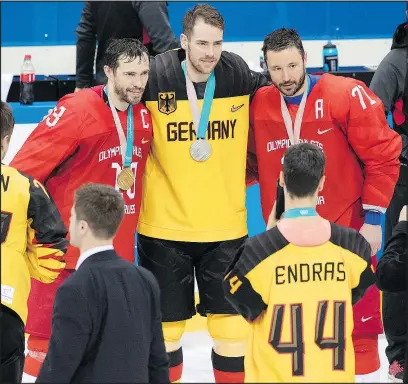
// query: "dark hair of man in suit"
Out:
[7,126]
[7,120]
[102,207]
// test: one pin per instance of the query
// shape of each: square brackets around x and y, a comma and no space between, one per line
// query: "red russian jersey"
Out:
[78,144]
[347,121]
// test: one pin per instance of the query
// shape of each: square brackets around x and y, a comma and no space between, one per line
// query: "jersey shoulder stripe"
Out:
[232,75]
[351,240]
[260,247]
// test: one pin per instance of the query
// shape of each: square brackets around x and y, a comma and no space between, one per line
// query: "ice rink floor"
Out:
[197,363]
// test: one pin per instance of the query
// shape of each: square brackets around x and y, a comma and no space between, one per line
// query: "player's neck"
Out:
[118,103]
[92,242]
[306,202]
[194,75]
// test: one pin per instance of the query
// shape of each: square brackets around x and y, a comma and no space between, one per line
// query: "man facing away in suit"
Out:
[106,324]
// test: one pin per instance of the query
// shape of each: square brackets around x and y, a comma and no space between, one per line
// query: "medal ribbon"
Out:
[200,121]
[299,212]
[294,132]
[125,145]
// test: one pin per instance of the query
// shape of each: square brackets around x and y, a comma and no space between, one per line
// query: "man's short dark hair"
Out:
[7,120]
[101,206]
[205,12]
[128,49]
[281,39]
[303,169]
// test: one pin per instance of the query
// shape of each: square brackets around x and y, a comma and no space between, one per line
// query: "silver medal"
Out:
[200,150]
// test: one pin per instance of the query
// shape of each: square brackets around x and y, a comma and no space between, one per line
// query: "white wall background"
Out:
[54,60]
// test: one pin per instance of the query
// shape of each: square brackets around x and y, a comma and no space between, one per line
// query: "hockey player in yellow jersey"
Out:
[193,215]
[33,244]
[296,284]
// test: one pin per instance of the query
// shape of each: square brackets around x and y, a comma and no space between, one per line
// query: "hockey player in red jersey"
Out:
[346,120]
[99,135]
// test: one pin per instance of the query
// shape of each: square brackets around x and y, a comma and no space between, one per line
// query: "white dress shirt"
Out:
[91,252]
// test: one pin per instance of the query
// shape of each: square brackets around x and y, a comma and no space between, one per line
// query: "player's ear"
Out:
[184,41]
[305,58]
[108,72]
[321,184]
[5,144]
[5,140]
[83,226]
[281,179]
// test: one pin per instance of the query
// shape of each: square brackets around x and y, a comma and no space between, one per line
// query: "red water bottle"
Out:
[27,79]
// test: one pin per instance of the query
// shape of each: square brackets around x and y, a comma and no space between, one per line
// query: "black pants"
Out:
[175,263]
[394,306]
[12,346]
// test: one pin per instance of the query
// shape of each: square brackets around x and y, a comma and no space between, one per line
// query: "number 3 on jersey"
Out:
[131,192]
[54,116]
[296,346]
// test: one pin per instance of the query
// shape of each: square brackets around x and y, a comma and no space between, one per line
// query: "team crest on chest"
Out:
[167,102]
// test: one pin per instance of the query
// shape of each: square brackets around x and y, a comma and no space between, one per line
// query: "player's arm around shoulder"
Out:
[256,80]
[391,269]
[46,233]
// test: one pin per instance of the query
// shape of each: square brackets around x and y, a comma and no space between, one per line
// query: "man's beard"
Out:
[299,85]
[122,93]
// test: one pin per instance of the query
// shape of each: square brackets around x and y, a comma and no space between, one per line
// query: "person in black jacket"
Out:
[390,84]
[106,325]
[147,21]
[392,274]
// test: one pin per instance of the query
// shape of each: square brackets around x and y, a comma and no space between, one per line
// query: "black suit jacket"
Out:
[392,266]
[106,326]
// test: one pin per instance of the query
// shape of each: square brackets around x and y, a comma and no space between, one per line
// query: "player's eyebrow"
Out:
[206,41]
[134,73]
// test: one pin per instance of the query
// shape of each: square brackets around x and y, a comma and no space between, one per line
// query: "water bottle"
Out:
[330,58]
[27,79]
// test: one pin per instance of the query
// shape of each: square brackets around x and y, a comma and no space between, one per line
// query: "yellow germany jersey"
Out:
[32,238]
[299,302]
[186,200]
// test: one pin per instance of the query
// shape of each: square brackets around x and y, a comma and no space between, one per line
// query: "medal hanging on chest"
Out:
[293,130]
[200,149]
[126,177]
